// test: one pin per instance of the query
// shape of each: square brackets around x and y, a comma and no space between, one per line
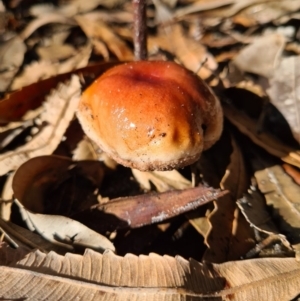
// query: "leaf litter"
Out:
[246,45]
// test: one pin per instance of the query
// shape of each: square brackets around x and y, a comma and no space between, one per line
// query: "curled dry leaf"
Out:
[59,109]
[146,209]
[63,231]
[230,236]
[281,194]
[268,142]
[11,58]
[285,94]
[57,185]
[39,276]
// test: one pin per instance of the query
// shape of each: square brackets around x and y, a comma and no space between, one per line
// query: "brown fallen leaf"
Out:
[13,107]
[268,142]
[59,110]
[284,93]
[230,236]
[147,209]
[57,185]
[39,276]
[281,195]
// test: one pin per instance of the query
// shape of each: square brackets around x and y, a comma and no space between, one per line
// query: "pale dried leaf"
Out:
[270,49]
[94,28]
[74,7]
[162,180]
[59,110]
[79,60]
[44,20]
[272,145]
[284,92]
[39,276]
[63,231]
[33,73]
[11,58]
[84,151]
[269,10]
[282,195]
[200,6]
[55,52]
[262,10]
[189,52]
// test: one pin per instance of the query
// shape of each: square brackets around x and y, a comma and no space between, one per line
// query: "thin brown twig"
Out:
[139,29]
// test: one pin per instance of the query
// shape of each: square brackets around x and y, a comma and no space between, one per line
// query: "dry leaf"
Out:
[11,58]
[44,20]
[94,28]
[58,111]
[162,180]
[33,73]
[63,231]
[37,276]
[146,209]
[200,6]
[27,240]
[55,52]
[189,52]
[73,7]
[255,210]
[57,185]
[281,195]
[13,107]
[270,49]
[248,127]
[253,206]
[284,92]
[230,236]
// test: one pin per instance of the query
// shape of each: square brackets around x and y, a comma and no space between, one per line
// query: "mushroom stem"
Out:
[139,29]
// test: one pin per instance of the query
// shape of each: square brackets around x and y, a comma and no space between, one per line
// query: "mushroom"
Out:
[151,115]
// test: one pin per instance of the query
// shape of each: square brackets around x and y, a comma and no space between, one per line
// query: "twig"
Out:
[139,29]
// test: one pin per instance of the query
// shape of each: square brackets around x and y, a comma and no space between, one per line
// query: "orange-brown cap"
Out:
[151,115]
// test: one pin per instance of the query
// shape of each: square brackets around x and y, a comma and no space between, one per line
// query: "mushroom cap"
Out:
[151,115]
